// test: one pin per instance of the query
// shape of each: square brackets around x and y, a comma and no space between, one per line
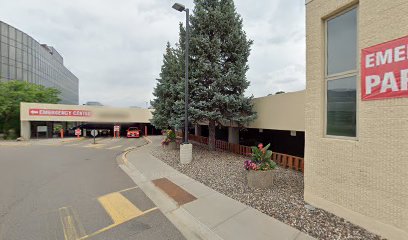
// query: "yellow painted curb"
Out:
[147,139]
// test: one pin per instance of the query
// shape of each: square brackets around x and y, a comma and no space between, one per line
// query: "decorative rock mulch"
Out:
[224,172]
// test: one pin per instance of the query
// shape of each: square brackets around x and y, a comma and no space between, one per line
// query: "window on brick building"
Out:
[341,74]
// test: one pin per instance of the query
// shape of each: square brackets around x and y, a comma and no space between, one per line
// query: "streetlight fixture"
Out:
[186,149]
[180,7]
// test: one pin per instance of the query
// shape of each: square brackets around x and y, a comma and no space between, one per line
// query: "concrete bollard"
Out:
[186,153]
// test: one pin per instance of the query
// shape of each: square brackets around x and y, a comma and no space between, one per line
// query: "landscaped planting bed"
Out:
[224,172]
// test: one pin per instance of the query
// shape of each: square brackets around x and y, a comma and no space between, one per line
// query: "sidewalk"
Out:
[205,213]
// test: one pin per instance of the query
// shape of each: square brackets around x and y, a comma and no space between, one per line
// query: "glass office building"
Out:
[23,58]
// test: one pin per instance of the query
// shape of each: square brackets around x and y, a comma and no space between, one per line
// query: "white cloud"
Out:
[115,48]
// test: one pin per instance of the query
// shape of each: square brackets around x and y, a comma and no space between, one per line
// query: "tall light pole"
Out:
[180,7]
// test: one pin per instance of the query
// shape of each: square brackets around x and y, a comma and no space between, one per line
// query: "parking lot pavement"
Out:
[74,192]
[106,143]
[116,144]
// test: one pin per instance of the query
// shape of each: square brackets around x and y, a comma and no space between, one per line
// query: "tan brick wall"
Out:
[364,180]
[280,112]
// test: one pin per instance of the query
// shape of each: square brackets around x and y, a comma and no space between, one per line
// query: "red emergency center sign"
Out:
[384,70]
[58,112]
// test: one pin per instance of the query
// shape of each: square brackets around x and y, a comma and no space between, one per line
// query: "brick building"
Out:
[356,155]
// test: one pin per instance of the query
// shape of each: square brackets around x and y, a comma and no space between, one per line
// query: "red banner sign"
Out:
[384,70]
[59,112]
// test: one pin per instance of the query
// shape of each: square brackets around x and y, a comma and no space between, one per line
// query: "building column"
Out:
[197,130]
[50,129]
[233,135]
[25,130]
[64,126]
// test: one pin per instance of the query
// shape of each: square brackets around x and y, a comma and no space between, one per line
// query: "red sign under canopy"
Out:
[384,70]
[59,112]
[77,131]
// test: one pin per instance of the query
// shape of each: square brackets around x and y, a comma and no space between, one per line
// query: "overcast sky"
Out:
[115,48]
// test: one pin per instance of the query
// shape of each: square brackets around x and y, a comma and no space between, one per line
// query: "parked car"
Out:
[133,132]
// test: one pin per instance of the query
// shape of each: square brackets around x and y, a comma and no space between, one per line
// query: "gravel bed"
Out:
[224,172]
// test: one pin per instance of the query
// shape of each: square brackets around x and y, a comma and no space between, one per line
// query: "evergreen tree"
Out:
[163,102]
[169,92]
[219,56]
[177,117]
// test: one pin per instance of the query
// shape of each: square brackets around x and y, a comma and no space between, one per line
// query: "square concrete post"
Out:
[25,130]
[233,135]
[186,153]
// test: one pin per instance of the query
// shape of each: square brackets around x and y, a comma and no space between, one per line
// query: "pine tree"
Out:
[169,92]
[177,117]
[219,56]
[163,92]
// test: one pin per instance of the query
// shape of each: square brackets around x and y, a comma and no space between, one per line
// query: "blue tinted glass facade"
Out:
[24,59]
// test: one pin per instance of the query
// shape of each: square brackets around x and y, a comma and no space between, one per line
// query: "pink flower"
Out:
[253,166]
[260,146]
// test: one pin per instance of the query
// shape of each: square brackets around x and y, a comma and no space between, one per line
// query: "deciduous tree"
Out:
[12,93]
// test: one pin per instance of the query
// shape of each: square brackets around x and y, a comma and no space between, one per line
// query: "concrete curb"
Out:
[212,215]
[121,159]
[187,224]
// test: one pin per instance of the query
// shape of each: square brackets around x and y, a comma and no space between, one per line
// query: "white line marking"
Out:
[118,146]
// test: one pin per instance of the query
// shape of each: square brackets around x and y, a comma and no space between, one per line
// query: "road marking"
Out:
[75,144]
[119,208]
[112,226]
[91,145]
[72,227]
[147,139]
[118,146]
[104,140]
[128,189]
[72,140]
[49,144]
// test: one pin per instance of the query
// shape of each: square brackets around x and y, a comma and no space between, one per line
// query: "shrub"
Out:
[261,159]
[170,137]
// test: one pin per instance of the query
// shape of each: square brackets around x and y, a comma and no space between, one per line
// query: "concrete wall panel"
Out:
[280,112]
